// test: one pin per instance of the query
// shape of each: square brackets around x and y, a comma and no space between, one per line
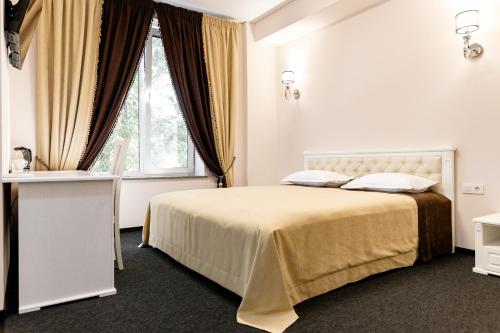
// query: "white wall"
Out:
[136,194]
[240,145]
[23,102]
[262,96]
[394,76]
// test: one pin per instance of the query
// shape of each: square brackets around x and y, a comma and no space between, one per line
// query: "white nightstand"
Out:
[487,244]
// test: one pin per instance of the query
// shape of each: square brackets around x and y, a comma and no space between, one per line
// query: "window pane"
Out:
[169,136]
[127,126]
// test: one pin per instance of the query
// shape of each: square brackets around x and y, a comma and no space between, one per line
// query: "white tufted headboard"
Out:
[435,163]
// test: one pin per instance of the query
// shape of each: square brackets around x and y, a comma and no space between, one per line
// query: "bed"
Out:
[276,246]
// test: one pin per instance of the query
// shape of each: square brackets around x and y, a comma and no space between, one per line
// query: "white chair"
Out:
[117,168]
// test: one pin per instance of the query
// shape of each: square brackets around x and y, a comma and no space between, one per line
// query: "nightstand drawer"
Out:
[493,261]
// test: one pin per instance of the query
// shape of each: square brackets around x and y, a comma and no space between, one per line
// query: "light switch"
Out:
[473,188]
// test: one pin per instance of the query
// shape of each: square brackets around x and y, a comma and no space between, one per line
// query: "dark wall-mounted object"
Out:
[14,16]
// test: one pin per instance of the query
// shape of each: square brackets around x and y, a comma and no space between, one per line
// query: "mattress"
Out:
[276,246]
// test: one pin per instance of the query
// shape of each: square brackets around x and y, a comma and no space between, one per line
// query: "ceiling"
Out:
[240,10]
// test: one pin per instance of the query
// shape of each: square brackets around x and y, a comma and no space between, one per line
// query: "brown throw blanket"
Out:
[434,225]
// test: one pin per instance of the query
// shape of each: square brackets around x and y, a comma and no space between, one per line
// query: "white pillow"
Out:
[317,178]
[391,182]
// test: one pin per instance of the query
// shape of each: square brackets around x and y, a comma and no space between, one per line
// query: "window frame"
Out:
[146,169]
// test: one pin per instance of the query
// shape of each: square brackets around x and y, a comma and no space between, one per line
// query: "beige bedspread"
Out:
[279,245]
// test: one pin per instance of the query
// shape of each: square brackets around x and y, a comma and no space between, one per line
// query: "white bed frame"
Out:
[365,159]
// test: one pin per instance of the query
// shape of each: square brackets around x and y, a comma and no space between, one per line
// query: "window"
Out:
[152,120]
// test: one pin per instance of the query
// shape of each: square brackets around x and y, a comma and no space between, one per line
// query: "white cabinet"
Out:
[487,230]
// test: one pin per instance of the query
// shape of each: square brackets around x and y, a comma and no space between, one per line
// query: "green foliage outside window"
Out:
[165,133]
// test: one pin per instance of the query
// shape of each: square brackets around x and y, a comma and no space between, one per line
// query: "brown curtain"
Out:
[125,28]
[183,43]
[221,41]
[68,38]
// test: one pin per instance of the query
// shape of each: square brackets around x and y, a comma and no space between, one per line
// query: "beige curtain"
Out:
[221,46]
[29,25]
[68,40]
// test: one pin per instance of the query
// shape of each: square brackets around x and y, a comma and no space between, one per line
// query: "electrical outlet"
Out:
[473,188]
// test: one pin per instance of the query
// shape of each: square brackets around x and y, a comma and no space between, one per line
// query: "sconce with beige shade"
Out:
[288,78]
[467,22]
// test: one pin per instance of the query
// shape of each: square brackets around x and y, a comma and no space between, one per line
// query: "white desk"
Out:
[65,233]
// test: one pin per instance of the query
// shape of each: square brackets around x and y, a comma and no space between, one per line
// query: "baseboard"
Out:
[462,250]
[25,308]
[131,229]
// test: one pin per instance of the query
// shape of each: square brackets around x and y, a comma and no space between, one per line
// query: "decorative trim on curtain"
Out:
[181,32]
[221,48]
[124,31]
[68,38]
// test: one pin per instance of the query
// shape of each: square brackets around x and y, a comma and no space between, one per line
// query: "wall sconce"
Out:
[466,23]
[287,78]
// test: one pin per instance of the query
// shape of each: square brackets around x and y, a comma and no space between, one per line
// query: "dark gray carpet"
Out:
[155,294]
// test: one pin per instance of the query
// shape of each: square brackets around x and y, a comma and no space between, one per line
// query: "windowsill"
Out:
[159,177]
